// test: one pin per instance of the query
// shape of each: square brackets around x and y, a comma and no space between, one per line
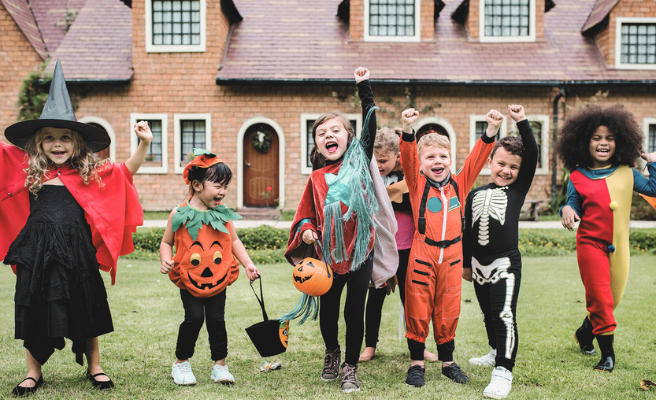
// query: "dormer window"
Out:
[175,26]
[635,46]
[392,20]
[507,20]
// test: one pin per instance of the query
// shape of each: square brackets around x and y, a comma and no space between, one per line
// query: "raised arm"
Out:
[408,145]
[530,156]
[367,99]
[142,130]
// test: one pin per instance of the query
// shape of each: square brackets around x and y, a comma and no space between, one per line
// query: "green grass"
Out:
[147,311]
[148,215]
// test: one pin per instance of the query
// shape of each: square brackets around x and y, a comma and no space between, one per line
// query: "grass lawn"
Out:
[147,311]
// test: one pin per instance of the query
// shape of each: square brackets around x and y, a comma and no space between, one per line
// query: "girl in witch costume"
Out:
[600,147]
[65,213]
[338,208]
[204,263]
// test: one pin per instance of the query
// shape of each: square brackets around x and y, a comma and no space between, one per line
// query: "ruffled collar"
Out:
[193,219]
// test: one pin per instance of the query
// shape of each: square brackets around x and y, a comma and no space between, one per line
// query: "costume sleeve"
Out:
[367,99]
[573,200]
[409,160]
[643,185]
[474,163]
[467,234]
[529,158]
[305,218]
[14,199]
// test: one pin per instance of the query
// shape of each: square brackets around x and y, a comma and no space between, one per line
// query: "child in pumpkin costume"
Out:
[600,147]
[205,263]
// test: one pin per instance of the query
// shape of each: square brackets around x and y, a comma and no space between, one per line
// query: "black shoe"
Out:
[584,338]
[416,376]
[24,391]
[607,362]
[100,385]
[453,372]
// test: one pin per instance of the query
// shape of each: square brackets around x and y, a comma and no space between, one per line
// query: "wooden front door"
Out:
[261,169]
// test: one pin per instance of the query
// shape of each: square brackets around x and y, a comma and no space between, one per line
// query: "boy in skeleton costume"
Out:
[491,256]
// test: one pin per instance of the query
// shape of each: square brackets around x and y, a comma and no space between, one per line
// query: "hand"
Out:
[392,283]
[516,112]
[361,74]
[649,157]
[252,272]
[143,131]
[167,266]
[309,236]
[494,119]
[409,117]
[467,274]
[570,217]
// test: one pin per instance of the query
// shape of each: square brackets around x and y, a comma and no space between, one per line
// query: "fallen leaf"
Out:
[646,385]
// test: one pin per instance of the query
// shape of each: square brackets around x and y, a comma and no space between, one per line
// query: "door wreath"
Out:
[261,141]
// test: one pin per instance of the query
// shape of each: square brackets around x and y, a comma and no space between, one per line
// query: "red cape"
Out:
[112,210]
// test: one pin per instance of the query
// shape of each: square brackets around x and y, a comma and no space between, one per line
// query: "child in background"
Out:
[600,147]
[340,185]
[388,158]
[490,252]
[433,281]
[204,264]
[77,213]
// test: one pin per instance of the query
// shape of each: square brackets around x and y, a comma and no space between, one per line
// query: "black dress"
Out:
[59,290]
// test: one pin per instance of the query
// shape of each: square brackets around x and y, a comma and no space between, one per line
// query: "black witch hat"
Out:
[57,113]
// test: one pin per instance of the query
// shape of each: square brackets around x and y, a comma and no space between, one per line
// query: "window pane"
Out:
[507,17]
[391,17]
[155,148]
[176,22]
[193,136]
[636,44]
[651,142]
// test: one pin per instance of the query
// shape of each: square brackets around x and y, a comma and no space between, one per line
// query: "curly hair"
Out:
[317,159]
[513,145]
[38,164]
[387,141]
[575,136]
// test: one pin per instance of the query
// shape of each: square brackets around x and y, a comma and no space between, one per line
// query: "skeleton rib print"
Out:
[486,203]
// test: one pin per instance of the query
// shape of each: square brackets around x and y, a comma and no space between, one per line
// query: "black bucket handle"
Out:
[260,299]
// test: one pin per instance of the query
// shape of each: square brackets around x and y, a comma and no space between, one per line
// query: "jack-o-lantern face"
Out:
[312,277]
[284,333]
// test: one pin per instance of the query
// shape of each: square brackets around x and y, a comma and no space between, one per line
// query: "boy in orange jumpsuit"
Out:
[434,274]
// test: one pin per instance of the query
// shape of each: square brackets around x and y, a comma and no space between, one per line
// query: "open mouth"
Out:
[58,153]
[438,170]
[331,147]
[603,152]
[206,285]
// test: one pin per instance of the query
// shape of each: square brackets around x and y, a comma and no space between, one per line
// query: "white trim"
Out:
[281,159]
[473,119]
[544,140]
[646,123]
[177,140]
[194,48]
[506,39]
[444,123]
[307,170]
[618,42]
[415,38]
[108,128]
[164,118]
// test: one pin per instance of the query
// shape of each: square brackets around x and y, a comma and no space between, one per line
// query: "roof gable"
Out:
[22,14]
[599,13]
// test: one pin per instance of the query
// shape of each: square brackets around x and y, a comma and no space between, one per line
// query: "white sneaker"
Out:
[182,375]
[221,374]
[487,360]
[500,384]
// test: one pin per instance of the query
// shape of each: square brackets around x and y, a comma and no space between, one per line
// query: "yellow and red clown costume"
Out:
[602,199]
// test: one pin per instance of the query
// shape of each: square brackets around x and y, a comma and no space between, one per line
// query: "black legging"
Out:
[356,291]
[210,309]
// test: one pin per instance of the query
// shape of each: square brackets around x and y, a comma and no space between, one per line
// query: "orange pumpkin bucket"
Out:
[312,277]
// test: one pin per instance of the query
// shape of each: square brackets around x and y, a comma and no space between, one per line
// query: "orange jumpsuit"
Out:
[433,280]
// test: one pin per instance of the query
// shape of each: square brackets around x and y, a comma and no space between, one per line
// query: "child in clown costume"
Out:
[600,147]
[204,264]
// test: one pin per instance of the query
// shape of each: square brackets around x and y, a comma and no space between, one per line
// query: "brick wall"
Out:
[356,20]
[427,21]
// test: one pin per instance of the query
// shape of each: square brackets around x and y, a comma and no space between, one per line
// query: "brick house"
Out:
[221,74]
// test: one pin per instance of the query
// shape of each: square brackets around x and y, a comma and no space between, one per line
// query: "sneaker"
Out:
[350,382]
[453,372]
[500,384]
[331,365]
[487,360]
[416,376]
[221,374]
[182,375]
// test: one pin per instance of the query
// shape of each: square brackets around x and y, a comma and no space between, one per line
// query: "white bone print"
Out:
[489,203]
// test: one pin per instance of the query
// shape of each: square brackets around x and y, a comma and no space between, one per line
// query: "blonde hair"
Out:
[387,141]
[38,164]
[317,159]
[434,139]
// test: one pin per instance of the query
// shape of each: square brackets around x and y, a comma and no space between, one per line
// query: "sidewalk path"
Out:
[241,223]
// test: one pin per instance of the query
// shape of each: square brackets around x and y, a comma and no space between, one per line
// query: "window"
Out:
[540,127]
[191,131]
[507,20]
[477,128]
[392,20]
[307,143]
[635,43]
[175,25]
[651,141]
[156,158]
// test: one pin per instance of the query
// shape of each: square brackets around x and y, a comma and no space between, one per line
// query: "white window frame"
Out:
[506,39]
[134,142]
[305,170]
[473,119]
[647,122]
[177,136]
[186,48]
[618,42]
[544,140]
[415,38]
